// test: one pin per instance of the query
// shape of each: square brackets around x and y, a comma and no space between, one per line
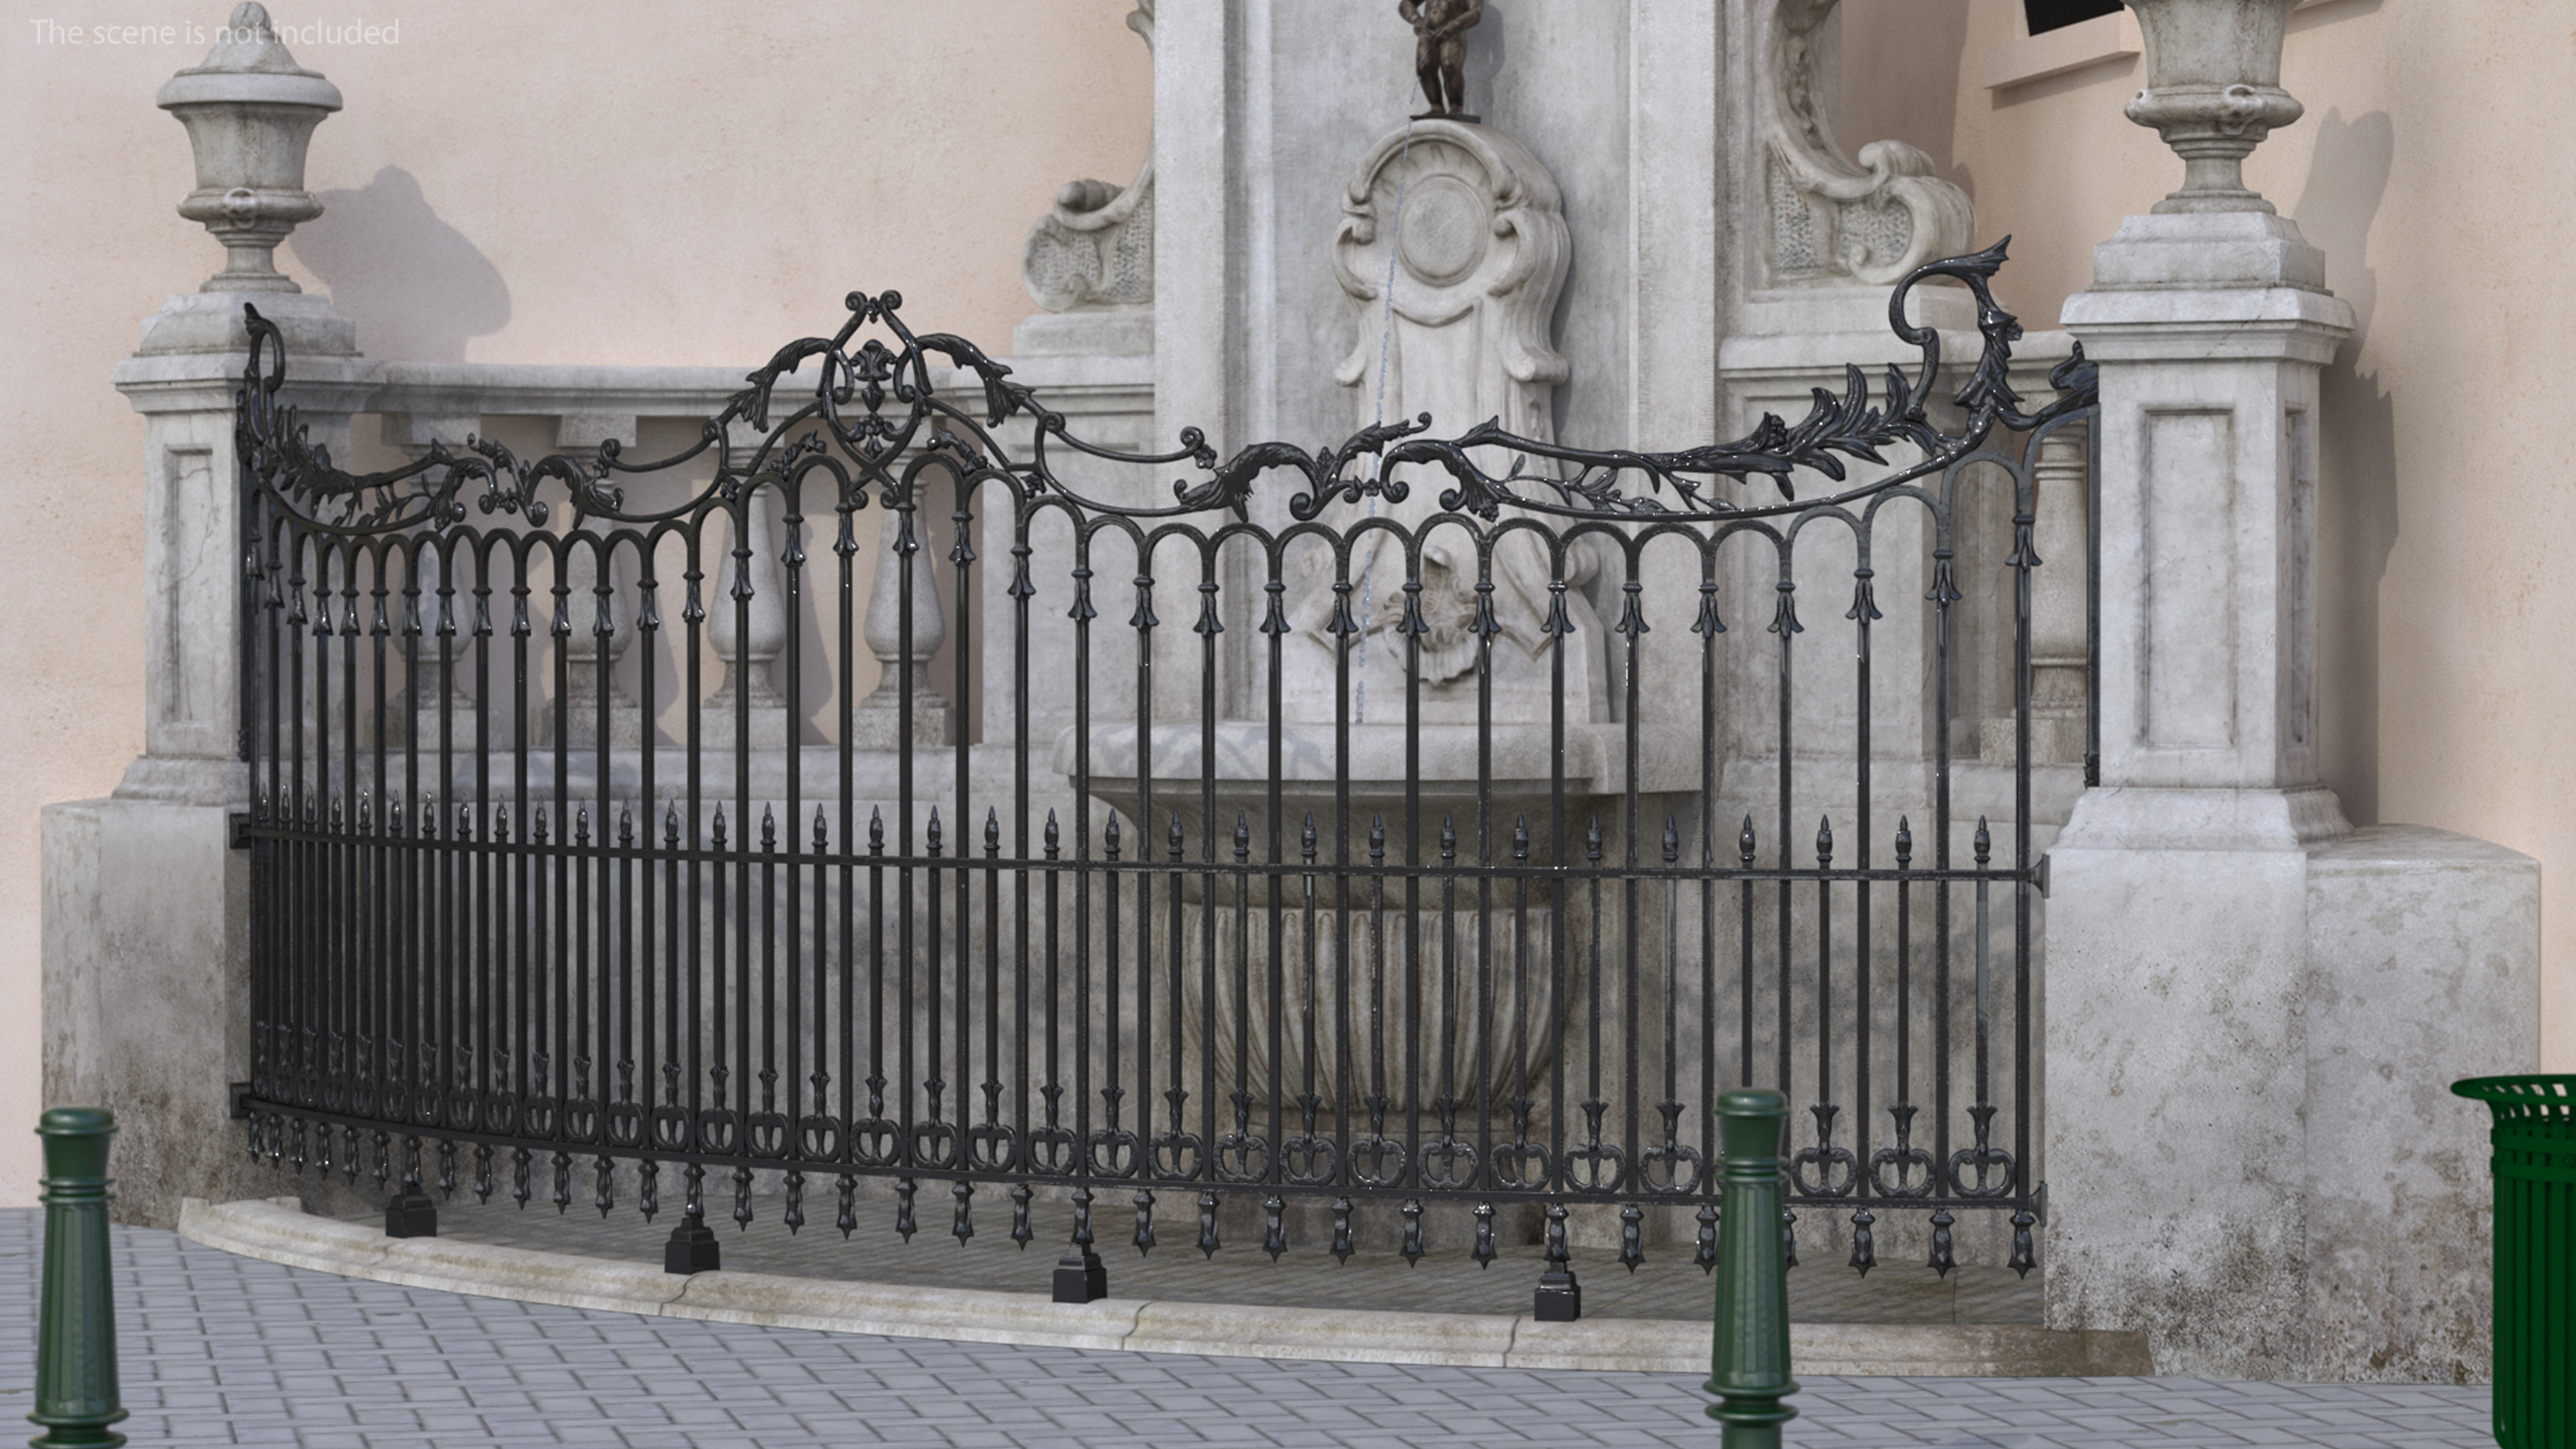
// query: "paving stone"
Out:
[222,1350]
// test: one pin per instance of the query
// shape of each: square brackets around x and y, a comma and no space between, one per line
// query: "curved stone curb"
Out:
[277,1231]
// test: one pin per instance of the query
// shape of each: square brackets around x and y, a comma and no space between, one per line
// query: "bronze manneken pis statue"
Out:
[1439,56]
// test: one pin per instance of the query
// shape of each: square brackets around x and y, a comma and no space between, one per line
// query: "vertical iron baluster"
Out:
[474,1055]
[1522,1148]
[1983,1157]
[822,1138]
[1208,627]
[1020,591]
[1633,628]
[1411,627]
[961,561]
[1001,1152]
[1486,627]
[790,485]
[1306,1146]
[1558,628]
[692,1245]
[1053,1091]
[1079,1274]
[768,1134]
[849,497]
[658,901]
[1114,1139]
[1901,1115]
[1941,594]
[1864,612]
[1672,1153]
[1595,1153]
[1375,1147]
[382,895]
[933,1139]
[1784,623]
[1824,1107]
[1745,846]
[1241,1141]
[1708,626]
[1445,1043]
[588,1005]
[1175,1138]
[1142,622]
[1346,636]
[1274,629]
[889,1140]
[2024,1255]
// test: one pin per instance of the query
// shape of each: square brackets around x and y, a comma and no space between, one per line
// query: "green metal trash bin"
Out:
[2535,1256]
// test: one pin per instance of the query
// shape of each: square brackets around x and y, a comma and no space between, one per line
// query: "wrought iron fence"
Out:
[1429,834]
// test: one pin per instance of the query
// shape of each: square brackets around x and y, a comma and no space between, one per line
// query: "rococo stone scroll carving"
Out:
[1095,250]
[1465,226]
[1832,218]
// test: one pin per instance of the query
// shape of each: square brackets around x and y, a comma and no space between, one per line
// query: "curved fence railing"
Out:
[1406,840]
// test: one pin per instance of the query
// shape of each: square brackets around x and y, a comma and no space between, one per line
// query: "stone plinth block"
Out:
[2250,1153]
[2423,967]
[146,991]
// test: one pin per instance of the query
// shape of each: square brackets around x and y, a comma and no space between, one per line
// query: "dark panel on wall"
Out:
[2048,15]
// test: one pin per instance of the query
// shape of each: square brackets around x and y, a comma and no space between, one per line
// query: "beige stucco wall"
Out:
[638,183]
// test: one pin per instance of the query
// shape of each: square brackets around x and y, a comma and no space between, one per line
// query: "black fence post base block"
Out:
[1560,1297]
[692,1248]
[411,1215]
[1080,1277]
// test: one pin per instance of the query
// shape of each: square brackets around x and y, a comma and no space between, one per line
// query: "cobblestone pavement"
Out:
[224,1350]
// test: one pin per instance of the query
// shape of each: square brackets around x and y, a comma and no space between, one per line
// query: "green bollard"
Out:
[1749,1360]
[76,1396]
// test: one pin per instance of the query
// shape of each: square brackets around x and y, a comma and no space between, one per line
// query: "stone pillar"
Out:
[2252,1009]
[145,946]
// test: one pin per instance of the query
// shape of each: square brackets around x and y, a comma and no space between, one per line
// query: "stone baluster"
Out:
[878,722]
[432,677]
[595,596]
[2059,650]
[748,640]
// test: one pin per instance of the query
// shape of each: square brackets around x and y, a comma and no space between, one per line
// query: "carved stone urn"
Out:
[250,113]
[2213,92]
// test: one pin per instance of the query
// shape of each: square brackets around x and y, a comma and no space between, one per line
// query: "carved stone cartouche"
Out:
[1468,227]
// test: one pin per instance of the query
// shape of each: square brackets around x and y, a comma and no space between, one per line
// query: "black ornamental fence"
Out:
[890,791]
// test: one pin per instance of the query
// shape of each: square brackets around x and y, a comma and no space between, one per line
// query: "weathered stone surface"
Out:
[2423,968]
[147,1009]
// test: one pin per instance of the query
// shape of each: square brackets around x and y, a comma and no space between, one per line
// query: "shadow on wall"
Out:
[2356,460]
[1482,61]
[414,285]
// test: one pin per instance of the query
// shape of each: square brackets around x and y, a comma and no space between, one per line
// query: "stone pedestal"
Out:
[2252,1009]
[145,941]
